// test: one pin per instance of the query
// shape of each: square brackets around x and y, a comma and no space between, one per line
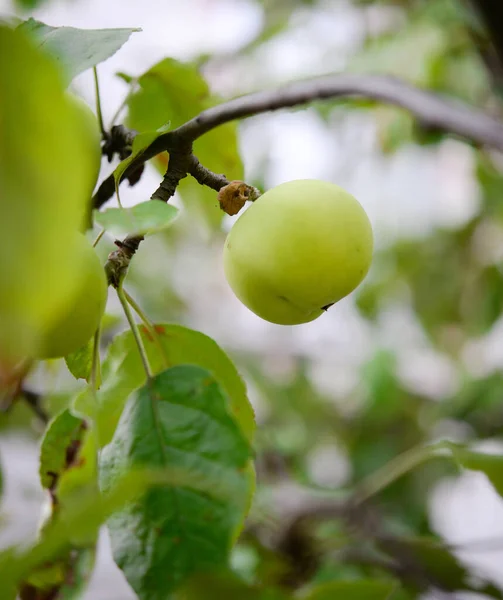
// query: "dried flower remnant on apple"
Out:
[232,197]
[298,249]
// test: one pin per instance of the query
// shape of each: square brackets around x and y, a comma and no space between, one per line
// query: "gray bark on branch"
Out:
[431,109]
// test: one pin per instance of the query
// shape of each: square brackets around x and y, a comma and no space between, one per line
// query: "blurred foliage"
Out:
[169,94]
[451,280]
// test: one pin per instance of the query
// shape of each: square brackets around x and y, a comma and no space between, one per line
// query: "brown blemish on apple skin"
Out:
[327,306]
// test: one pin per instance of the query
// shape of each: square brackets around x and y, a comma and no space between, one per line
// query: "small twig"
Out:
[149,326]
[178,167]
[33,399]
[119,141]
[98,238]
[98,104]
[206,177]
[118,261]
[396,468]
[123,104]
[136,332]
[95,365]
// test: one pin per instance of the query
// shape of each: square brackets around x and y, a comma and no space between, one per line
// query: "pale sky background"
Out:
[405,195]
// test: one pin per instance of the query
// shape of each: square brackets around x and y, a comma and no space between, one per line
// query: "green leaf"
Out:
[87,512]
[219,151]
[82,519]
[28,4]
[80,362]
[77,50]
[68,464]
[437,565]
[364,589]
[490,464]
[224,585]
[122,373]
[82,569]
[178,419]
[140,143]
[125,77]
[409,54]
[65,579]
[170,91]
[68,470]
[145,218]
[40,136]
[175,91]
[62,432]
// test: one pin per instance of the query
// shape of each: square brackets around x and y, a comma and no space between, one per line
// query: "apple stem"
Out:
[98,237]
[95,376]
[98,104]
[148,325]
[136,332]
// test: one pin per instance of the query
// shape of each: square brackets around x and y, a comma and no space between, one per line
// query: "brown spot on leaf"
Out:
[147,333]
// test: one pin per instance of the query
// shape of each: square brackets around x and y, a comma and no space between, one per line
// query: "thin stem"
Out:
[135,330]
[98,103]
[96,365]
[136,307]
[98,238]
[149,325]
[123,103]
[118,196]
[396,468]
[33,399]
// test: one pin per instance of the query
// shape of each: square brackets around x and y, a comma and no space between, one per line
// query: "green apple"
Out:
[44,189]
[298,249]
[82,313]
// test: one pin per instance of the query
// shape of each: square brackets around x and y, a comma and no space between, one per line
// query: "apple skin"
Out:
[299,248]
[82,313]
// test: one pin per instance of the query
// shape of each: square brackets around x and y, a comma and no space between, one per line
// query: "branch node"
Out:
[118,261]
[178,167]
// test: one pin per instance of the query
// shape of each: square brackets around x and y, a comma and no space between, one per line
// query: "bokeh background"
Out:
[415,354]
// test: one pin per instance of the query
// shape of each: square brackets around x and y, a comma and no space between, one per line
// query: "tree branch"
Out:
[33,400]
[178,166]
[206,177]
[431,109]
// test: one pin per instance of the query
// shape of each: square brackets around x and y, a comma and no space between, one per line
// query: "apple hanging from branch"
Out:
[298,249]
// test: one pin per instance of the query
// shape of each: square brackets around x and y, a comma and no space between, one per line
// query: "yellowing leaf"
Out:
[176,92]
